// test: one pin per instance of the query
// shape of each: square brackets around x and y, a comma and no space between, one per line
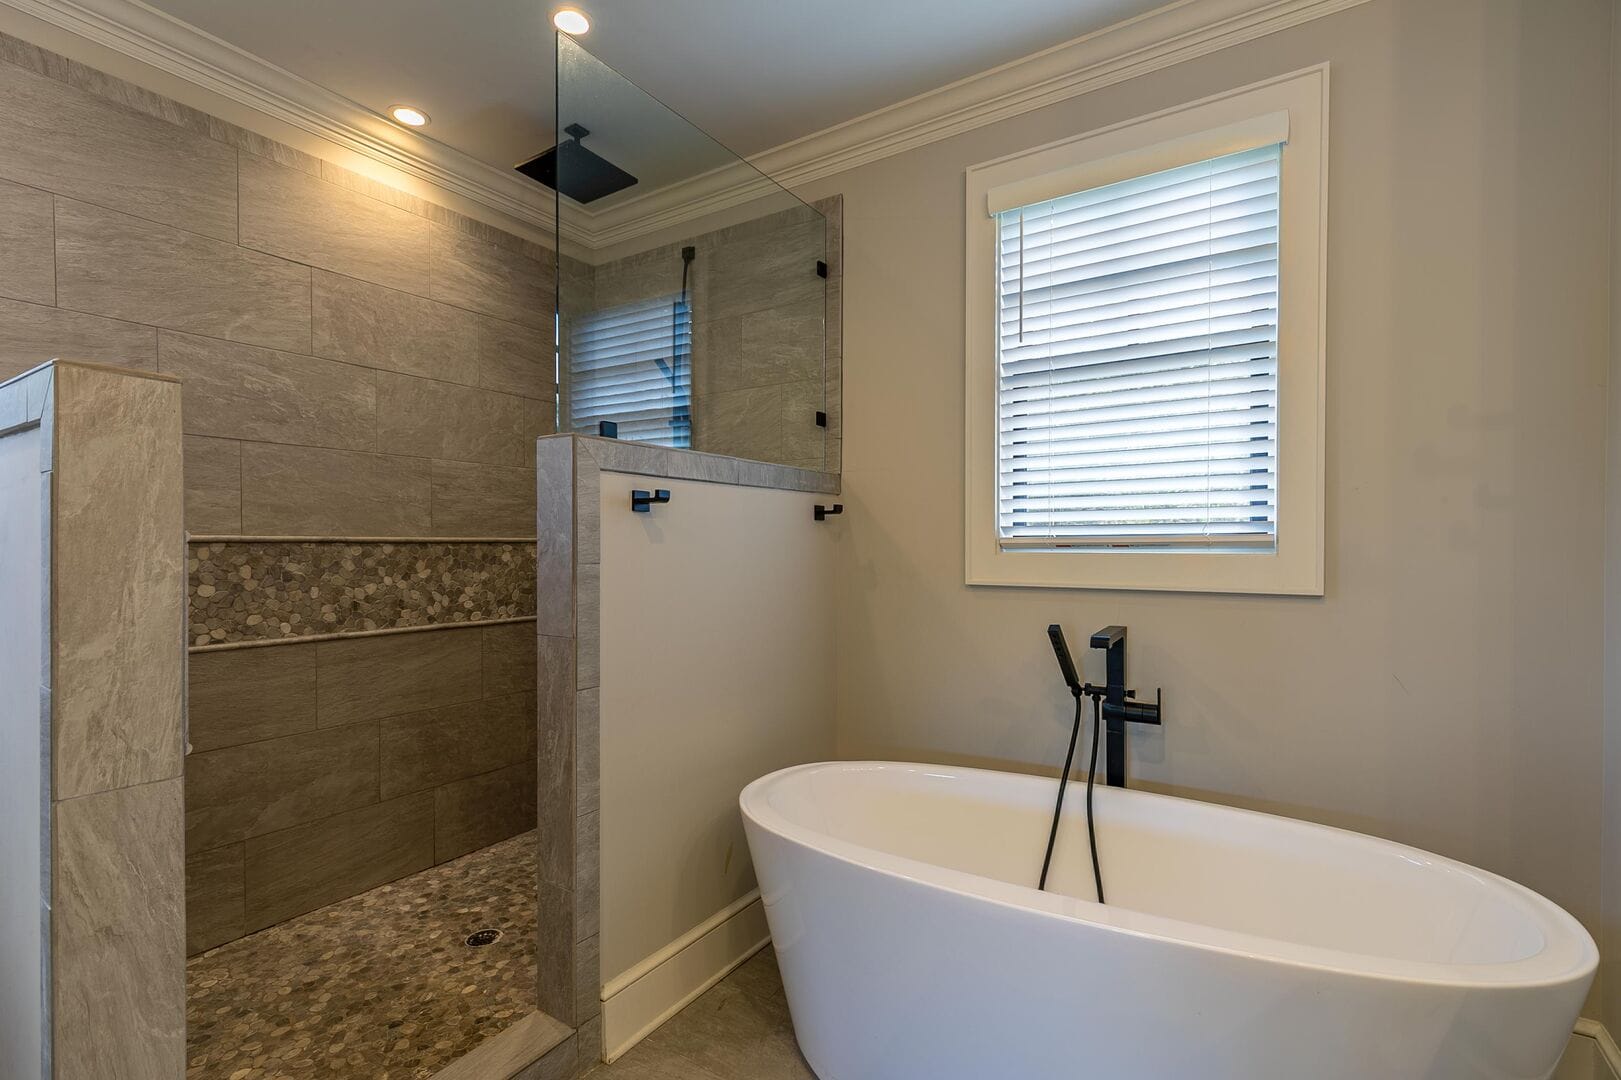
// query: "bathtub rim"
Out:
[1568,956]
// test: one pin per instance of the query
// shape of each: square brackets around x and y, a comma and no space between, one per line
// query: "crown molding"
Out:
[1157,39]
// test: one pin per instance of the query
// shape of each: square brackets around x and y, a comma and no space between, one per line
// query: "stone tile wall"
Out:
[355,361]
[111,697]
[321,769]
[767,346]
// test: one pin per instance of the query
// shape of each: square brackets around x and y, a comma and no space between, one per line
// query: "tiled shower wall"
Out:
[762,367]
[356,363]
[322,769]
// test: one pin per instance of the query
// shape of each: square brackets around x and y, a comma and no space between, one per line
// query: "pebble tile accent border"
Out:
[275,590]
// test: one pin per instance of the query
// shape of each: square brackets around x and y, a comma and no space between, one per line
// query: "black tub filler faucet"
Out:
[1120,705]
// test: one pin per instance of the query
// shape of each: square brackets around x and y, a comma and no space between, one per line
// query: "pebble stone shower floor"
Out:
[381,986]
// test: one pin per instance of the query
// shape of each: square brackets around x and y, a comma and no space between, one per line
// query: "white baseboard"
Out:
[635,1003]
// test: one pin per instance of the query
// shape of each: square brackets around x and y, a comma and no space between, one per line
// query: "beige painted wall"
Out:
[1610,941]
[717,637]
[1447,690]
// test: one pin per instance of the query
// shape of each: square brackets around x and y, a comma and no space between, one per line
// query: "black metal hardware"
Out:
[825,512]
[641,502]
[608,429]
[574,170]
[1120,706]
[821,268]
[821,419]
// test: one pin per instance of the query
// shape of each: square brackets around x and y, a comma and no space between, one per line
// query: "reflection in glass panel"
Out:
[692,292]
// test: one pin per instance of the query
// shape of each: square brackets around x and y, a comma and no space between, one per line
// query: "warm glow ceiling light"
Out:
[408,116]
[571,22]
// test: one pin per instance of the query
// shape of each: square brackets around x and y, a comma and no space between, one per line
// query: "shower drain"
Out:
[480,938]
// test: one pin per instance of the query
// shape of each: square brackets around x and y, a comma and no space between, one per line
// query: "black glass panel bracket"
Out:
[642,502]
[824,512]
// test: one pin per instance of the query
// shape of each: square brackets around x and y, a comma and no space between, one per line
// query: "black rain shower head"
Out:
[586,176]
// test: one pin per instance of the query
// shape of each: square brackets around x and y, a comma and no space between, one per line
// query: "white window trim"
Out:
[1164,140]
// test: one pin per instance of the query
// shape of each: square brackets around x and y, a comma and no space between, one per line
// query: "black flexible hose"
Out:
[1091,775]
[1063,783]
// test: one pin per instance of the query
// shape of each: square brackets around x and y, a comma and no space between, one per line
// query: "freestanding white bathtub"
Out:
[1235,946]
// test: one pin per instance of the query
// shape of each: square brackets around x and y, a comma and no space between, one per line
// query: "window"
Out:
[1138,360]
[633,365]
[1144,354]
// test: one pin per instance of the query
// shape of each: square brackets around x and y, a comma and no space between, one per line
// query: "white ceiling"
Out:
[754,73]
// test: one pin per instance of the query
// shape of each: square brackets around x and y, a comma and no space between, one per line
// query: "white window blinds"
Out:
[633,365]
[1138,361]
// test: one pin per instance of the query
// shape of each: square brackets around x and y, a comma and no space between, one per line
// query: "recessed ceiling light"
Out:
[408,116]
[571,22]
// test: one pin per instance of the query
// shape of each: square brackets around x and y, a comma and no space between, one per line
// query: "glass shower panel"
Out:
[692,289]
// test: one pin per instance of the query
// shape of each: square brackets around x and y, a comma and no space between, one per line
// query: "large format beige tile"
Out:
[62,139]
[116,654]
[587,876]
[509,658]
[213,486]
[516,359]
[257,788]
[366,678]
[743,423]
[361,323]
[588,749]
[587,979]
[300,217]
[554,765]
[302,491]
[482,810]
[28,238]
[31,334]
[118,935]
[588,628]
[115,265]
[470,499]
[247,695]
[245,392]
[482,277]
[734,1034]
[554,949]
[773,268]
[427,418]
[555,556]
[214,898]
[439,746]
[301,869]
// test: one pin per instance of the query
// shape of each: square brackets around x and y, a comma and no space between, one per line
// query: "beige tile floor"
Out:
[739,1030]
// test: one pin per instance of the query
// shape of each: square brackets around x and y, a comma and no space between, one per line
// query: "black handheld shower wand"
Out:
[1078,690]
[1066,663]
